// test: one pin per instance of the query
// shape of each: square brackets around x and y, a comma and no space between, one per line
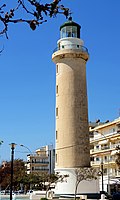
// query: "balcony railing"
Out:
[108,135]
[38,169]
[100,149]
[105,161]
[38,162]
[37,156]
[112,147]
[71,46]
[104,148]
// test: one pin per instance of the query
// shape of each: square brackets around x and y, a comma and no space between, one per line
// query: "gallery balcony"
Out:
[71,47]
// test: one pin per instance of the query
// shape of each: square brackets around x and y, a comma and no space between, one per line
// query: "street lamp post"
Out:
[12,159]
[26,148]
[50,161]
[30,161]
[0,184]
[30,154]
[107,139]
[108,176]
[102,176]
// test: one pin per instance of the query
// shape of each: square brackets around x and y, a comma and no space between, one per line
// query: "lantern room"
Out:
[70,36]
[70,29]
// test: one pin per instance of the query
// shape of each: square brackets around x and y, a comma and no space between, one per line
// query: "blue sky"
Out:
[27,74]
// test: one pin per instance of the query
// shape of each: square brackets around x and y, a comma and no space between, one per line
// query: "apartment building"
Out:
[104,138]
[42,161]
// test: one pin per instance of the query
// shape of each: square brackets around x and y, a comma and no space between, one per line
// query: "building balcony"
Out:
[40,170]
[104,149]
[105,162]
[38,155]
[39,164]
[105,136]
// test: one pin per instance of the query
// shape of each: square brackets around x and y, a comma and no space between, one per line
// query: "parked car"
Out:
[19,192]
[2,192]
[107,196]
[116,196]
[29,191]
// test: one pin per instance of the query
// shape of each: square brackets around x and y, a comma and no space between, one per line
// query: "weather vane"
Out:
[70,16]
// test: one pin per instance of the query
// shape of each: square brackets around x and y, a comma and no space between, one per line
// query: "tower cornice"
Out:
[70,53]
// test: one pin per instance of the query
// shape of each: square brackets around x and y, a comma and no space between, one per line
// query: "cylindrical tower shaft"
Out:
[72,135]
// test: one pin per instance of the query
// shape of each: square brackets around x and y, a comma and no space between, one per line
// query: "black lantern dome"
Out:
[70,29]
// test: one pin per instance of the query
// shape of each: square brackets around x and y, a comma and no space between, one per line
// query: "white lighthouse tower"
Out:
[72,130]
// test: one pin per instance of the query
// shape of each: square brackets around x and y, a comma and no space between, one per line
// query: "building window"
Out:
[91,158]
[57,69]
[111,158]
[112,130]
[97,159]
[106,158]
[56,112]
[105,171]
[56,89]
[97,147]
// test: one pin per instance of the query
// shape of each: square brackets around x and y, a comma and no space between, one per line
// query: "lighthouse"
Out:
[72,129]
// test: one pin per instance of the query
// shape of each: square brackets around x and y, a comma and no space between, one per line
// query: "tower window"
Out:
[56,112]
[57,69]
[56,158]
[57,89]
[56,135]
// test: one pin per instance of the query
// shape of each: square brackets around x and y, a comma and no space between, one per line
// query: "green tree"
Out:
[34,181]
[5,175]
[19,173]
[48,179]
[32,12]
[41,181]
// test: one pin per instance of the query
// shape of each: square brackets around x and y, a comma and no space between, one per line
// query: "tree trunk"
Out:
[76,186]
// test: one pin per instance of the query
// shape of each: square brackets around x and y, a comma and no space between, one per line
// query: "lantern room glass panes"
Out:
[69,31]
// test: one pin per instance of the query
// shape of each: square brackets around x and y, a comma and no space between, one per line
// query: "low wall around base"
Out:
[69,183]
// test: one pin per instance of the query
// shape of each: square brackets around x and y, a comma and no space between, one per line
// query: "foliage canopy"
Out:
[39,181]
[32,12]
